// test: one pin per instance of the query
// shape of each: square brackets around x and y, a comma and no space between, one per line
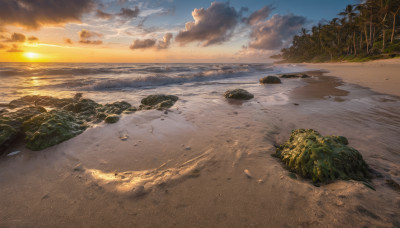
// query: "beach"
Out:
[206,161]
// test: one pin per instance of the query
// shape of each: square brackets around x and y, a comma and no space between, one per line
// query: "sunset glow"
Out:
[31,55]
[152,31]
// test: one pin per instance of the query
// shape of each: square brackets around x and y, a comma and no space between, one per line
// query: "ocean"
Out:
[106,82]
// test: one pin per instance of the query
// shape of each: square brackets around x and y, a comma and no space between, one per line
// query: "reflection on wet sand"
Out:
[221,145]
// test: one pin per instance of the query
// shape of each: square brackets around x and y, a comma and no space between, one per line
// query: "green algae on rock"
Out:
[158,101]
[11,123]
[238,94]
[34,100]
[320,158]
[270,80]
[117,107]
[7,135]
[51,128]
[110,119]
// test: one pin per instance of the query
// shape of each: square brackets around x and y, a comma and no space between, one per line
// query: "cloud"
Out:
[152,43]
[86,37]
[259,15]
[14,48]
[17,37]
[143,44]
[129,13]
[276,32]
[33,14]
[33,39]
[104,15]
[164,44]
[214,25]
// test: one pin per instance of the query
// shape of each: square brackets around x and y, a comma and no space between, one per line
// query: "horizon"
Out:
[125,31]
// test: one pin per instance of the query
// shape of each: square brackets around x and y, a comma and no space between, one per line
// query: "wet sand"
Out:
[382,76]
[186,167]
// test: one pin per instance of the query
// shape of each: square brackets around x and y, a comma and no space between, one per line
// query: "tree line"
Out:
[361,32]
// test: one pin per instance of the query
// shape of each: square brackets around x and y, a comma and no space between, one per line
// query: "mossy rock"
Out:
[37,100]
[16,118]
[117,107]
[158,101]
[51,128]
[238,94]
[11,123]
[7,135]
[270,80]
[323,159]
[130,110]
[110,119]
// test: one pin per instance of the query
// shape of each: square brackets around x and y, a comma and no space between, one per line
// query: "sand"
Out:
[382,76]
[207,163]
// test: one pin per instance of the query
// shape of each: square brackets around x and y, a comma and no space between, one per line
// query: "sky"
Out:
[155,31]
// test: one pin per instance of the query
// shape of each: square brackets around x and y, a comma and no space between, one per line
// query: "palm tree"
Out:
[350,13]
[394,10]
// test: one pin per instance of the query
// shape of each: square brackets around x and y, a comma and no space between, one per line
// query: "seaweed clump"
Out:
[270,80]
[238,94]
[158,101]
[323,159]
[51,128]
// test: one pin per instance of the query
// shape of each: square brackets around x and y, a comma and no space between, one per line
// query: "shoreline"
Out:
[382,76]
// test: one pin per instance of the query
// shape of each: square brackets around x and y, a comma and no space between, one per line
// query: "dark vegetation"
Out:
[363,32]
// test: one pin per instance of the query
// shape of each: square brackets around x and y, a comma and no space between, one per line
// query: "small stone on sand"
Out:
[248,174]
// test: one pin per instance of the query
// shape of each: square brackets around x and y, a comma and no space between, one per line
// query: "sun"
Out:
[31,55]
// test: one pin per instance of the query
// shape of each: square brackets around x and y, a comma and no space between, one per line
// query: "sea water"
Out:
[108,82]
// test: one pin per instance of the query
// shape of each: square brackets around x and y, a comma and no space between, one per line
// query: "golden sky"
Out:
[149,31]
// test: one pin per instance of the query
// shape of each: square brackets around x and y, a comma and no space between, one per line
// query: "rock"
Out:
[238,94]
[305,76]
[11,123]
[270,80]
[158,101]
[110,119]
[248,174]
[7,135]
[51,128]
[117,107]
[322,159]
[130,110]
[36,100]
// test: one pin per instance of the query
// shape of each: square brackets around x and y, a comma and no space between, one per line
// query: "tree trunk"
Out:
[394,25]
[383,38]
[370,31]
[366,38]
[354,43]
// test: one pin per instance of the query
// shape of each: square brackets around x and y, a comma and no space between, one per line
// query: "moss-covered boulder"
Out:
[270,80]
[110,119]
[117,107]
[36,100]
[51,128]
[7,135]
[11,123]
[320,158]
[238,94]
[158,101]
